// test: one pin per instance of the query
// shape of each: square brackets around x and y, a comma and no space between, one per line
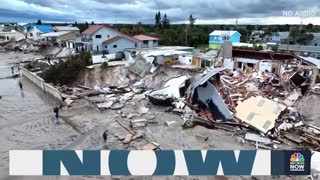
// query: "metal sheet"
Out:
[210,97]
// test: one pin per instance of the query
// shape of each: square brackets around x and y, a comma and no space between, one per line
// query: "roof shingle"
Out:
[92,29]
[142,37]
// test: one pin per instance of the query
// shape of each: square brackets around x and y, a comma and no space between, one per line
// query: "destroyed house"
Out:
[262,61]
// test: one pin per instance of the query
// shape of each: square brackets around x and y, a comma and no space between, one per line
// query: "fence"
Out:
[41,84]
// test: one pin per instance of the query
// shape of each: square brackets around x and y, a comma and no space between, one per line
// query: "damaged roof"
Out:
[206,77]
[209,96]
[259,112]
[252,54]
[312,60]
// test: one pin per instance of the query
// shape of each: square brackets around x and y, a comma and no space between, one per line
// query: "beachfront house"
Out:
[101,38]
[13,35]
[119,43]
[146,41]
[217,37]
[60,38]
[34,31]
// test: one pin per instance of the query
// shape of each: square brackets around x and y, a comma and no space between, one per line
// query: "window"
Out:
[145,42]
[115,46]
[98,36]
[135,44]
[315,44]
[7,37]
[154,41]
[31,35]
[108,36]
[106,46]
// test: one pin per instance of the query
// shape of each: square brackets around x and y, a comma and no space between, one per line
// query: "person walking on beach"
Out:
[56,111]
[20,85]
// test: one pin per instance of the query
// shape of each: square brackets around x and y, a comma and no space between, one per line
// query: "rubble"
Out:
[127,138]
[105,105]
[171,90]
[254,106]
[257,138]
[143,110]
[138,123]
[150,146]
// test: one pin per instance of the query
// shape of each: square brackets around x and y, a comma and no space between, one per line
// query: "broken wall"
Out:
[120,75]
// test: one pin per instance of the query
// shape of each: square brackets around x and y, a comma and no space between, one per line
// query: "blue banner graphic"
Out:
[159,163]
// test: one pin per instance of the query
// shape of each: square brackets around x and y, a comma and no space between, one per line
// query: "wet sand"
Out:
[26,117]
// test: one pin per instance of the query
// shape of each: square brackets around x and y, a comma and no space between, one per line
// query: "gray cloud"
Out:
[132,11]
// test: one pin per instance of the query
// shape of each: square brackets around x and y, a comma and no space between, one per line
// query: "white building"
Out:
[146,41]
[11,36]
[102,38]
[118,43]
[34,31]
[73,29]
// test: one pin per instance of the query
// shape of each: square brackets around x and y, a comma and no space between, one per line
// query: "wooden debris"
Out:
[124,127]
[127,138]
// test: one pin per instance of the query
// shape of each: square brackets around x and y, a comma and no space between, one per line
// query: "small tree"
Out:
[92,22]
[39,22]
[309,26]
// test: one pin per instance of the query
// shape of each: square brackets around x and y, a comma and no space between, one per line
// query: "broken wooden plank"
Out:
[84,87]
[124,127]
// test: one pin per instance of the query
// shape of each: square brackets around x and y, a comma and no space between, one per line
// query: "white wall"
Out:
[41,84]
[121,44]
[149,45]
[16,36]
[35,34]
[265,65]
[104,32]
[185,59]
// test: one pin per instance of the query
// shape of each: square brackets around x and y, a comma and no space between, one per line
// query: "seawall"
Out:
[41,84]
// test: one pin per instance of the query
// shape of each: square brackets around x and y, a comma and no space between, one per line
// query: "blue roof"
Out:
[42,28]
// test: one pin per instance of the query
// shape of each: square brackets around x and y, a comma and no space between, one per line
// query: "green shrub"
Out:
[104,65]
[66,72]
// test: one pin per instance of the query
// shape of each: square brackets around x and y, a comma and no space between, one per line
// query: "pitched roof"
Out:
[116,38]
[92,29]
[312,60]
[315,49]
[66,28]
[44,28]
[142,37]
[220,33]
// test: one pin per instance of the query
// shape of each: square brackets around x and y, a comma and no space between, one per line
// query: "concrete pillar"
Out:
[314,77]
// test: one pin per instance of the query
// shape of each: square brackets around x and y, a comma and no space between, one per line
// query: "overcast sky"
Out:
[133,11]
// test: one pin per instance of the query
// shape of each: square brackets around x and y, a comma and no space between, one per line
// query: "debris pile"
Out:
[257,106]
